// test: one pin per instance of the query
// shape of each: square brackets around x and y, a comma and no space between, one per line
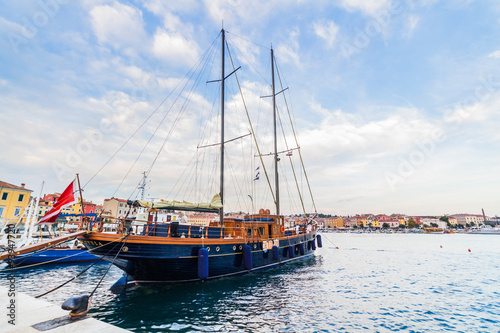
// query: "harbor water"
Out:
[372,283]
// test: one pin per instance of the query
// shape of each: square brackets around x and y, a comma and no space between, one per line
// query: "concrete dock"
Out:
[29,314]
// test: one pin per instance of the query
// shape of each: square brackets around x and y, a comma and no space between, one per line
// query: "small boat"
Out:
[52,256]
[153,252]
[485,229]
[434,230]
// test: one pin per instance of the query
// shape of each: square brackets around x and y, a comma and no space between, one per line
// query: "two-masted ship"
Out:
[152,252]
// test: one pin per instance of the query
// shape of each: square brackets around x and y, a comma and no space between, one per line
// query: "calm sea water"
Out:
[373,283]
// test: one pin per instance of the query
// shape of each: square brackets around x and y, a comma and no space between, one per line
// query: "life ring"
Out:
[282,229]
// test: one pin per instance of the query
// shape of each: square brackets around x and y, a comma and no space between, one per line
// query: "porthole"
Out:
[125,249]
[217,249]
[241,247]
[208,249]
[234,248]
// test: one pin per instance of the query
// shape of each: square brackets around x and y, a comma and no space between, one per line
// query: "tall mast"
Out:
[275,141]
[221,212]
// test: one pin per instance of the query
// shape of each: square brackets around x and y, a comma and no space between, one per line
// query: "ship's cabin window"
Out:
[249,231]
[261,231]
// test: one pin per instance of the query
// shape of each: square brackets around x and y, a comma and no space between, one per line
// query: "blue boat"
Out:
[52,256]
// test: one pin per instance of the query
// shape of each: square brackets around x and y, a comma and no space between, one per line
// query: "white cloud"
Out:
[289,51]
[327,30]
[343,133]
[495,54]
[175,48]
[411,25]
[368,7]
[473,109]
[161,7]
[118,25]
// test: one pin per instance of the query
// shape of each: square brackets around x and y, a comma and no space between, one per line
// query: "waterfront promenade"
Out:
[30,314]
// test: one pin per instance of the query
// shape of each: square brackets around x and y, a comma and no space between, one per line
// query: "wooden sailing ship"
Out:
[151,252]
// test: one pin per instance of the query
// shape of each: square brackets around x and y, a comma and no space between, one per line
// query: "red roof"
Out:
[14,187]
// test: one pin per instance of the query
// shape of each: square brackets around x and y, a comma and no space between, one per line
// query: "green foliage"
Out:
[434,225]
[385,226]
[402,226]
[444,218]
[412,224]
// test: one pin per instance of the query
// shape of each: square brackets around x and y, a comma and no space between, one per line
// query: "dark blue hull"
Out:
[166,261]
[56,256]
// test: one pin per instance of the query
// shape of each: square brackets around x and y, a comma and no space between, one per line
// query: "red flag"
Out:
[67,198]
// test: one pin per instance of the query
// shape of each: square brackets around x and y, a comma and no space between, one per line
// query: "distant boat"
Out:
[485,229]
[434,230]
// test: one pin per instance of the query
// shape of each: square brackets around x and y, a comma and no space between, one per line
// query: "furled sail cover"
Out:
[212,206]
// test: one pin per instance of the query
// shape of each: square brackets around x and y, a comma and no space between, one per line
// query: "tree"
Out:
[385,226]
[402,226]
[434,225]
[412,224]
[444,218]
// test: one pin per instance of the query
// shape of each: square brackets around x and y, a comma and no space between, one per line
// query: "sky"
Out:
[396,102]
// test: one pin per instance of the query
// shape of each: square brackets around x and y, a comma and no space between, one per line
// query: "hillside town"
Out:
[15,199]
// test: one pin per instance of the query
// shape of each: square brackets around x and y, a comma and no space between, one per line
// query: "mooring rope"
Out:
[86,269]
[111,264]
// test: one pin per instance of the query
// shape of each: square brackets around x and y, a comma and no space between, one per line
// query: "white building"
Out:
[464,219]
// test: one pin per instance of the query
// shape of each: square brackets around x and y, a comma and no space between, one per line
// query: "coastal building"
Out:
[118,208]
[333,222]
[13,201]
[392,223]
[202,220]
[467,219]
[453,220]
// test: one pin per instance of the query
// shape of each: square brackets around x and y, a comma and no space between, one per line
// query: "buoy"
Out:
[469,250]
[247,257]
[203,263]
[276,253]
[441,246]
[291,253]
[320,243]
[301,249]
[313,244]
[79,306]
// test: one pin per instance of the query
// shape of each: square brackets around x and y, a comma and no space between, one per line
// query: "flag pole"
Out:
[84,219]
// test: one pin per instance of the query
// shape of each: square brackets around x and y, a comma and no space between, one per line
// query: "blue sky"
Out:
[396,102]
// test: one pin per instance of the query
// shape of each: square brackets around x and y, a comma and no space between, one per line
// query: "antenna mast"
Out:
[275,140]
[221,211]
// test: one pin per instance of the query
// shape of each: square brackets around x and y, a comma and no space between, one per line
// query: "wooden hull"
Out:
[167,260]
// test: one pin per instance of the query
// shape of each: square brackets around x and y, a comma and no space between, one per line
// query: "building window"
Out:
[1,210]
[5,195]
[17,212]
[21,198]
